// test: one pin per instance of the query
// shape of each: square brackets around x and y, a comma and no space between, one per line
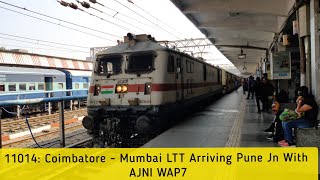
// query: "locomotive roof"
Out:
[34,71]
[138,47]
[141,46]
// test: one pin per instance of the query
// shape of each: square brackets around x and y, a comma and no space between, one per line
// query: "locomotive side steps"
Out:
[231,121]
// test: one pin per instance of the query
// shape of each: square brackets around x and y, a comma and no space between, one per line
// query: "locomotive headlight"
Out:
[147,88]
[118,88]
[124,88]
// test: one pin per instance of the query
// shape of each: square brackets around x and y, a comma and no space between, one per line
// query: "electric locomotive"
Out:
[138,86]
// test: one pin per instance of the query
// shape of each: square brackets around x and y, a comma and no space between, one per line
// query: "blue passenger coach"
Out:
[18,83]
[22,80]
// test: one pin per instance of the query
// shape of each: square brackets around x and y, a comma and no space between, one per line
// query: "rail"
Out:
[60,100]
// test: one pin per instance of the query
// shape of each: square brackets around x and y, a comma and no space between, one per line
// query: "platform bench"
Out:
[308,137]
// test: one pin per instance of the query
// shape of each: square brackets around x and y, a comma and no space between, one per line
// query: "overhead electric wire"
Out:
[43,41]
[74,50]
[147,19]
[57,24]
[118,12]
[19,7]
[156,18]
[103,19]
[114,17]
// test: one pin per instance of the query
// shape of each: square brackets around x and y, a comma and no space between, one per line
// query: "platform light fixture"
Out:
[241,55]
[244,66]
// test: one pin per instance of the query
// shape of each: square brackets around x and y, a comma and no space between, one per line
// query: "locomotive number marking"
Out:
[144,101]
[123,81]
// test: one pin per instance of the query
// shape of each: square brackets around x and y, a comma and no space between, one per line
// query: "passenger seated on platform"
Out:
[275,128]
[307,104]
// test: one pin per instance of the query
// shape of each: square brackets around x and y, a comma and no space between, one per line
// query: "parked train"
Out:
[139,85]
[30,83]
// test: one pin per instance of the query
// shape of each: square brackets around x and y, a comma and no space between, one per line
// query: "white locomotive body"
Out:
[137,86]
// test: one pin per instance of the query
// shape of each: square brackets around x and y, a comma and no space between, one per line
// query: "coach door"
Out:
[179,81]
[49,85]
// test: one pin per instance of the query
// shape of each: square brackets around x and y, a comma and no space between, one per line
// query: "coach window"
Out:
[85,86]
[32,86]
[40,87]
[76,86]
[141,62]
[170,65]
[60,85]
[22,87]
[2,87]
[12,87]
[110,64]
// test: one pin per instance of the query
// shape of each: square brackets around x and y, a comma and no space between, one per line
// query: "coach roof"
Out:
[35,71]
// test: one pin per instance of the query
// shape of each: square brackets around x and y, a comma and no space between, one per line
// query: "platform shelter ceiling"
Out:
[232,25]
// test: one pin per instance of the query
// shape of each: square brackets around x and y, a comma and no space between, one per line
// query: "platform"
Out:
[231,121]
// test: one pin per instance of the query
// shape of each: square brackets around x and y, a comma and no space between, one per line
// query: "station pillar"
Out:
[315,51]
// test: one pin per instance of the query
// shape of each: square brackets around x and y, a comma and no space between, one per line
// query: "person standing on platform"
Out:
[236,84]
[251,83]
[258,90]
[267,90]
[244,85]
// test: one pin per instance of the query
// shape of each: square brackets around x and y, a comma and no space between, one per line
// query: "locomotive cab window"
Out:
[141,62]
[110,64]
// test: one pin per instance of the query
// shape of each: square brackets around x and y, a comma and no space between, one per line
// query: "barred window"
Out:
[12,87]
[22,87]
[32,86]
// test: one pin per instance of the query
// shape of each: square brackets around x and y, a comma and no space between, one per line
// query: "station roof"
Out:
[21,59]
[232,25]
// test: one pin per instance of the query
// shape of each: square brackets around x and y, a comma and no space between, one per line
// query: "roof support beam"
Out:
[273,7]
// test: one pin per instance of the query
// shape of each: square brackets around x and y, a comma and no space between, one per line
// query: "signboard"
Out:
[280,65]
[268,69]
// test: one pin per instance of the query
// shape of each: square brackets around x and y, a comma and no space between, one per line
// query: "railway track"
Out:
[48,138]
[13,126]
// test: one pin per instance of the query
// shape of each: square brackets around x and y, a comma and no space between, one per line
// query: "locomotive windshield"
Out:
[107,65]
[141,62]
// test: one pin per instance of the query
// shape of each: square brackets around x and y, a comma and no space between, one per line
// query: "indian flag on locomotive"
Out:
[107,89]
